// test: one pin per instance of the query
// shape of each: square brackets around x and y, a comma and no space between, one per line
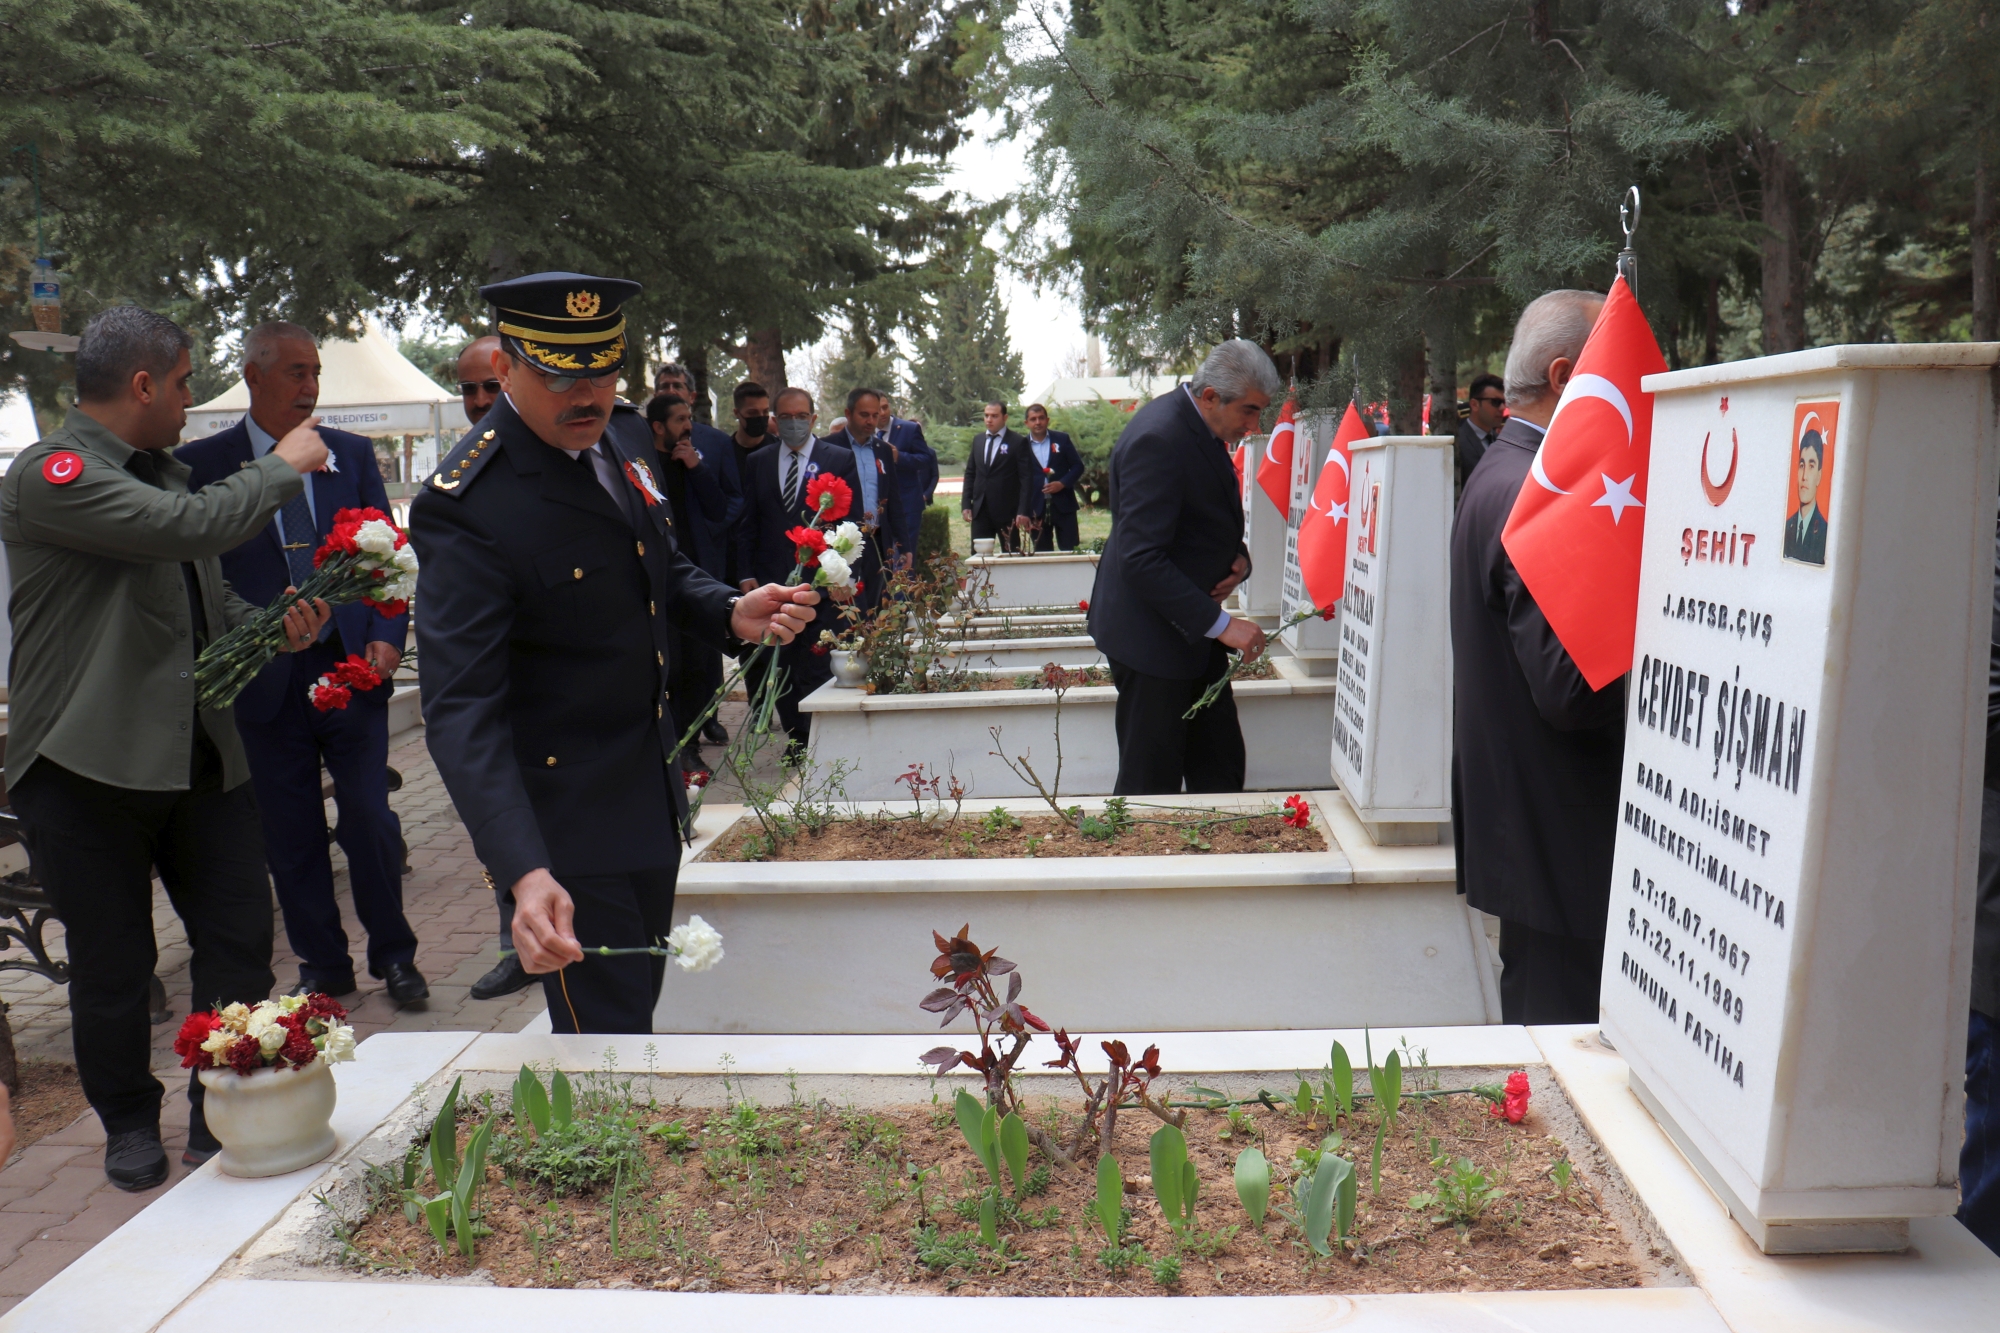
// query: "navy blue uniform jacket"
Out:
[1176,528]
[715,498]
[1065,466]
[916,478]
[548,626]
[257,569]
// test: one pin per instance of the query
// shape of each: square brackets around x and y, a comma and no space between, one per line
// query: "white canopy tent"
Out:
[365,386]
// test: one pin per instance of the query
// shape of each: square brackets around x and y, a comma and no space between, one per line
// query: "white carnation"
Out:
[291,1004]
[266,1028]
[697,945]
[405,559]
[337,1044]
[845,539]
[219,1041]
[376,537]
[834,571]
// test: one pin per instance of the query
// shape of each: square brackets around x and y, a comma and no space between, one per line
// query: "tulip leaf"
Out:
[532,1101]
[989,1222]
[444,1140]
[1320,1199]
[562,1101]
[1392,1087]
[1253,1184]
[1110,1197]
[1343,1208]
[437,1212]
[1343,1078]
[1169,1155]
[989,1144]
[1014,1147]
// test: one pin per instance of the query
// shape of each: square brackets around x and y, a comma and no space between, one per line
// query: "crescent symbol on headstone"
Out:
[1717,494]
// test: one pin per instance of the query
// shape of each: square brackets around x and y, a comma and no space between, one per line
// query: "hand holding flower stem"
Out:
[1215,687]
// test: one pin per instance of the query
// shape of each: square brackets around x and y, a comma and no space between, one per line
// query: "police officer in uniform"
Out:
[553,594]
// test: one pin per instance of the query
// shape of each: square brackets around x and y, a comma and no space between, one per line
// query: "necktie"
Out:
[992,447]
[792,479]
[297,534]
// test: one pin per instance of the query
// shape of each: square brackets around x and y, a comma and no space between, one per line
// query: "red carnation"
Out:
[323,1006]
[1083,604]
[187,1045]
[392,608]
[829,497]
[809,542]
[696,778]
[356,674]
[298,1050]
[1330,612]
[1514,1103]
[1297,812]
[245,1055]
[330,698]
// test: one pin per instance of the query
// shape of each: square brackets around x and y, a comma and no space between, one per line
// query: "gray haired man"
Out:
[1535,751]
[1175,553]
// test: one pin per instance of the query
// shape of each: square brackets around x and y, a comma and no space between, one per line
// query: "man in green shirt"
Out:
[110,766]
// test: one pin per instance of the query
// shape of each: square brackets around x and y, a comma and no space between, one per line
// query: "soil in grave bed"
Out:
[973,837]
[814,1197]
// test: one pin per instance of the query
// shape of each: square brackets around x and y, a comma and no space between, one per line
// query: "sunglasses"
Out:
[1490,402]
[562,384]
[466,388]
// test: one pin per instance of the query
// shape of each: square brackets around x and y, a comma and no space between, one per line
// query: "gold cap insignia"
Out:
[584,305]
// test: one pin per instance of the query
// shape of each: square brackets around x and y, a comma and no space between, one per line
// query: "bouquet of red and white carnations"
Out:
[286,1033]
[366,558]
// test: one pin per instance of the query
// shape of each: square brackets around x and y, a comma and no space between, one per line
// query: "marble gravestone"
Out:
[1315,643]
[1787,957]
[1392,700]
[1264,534]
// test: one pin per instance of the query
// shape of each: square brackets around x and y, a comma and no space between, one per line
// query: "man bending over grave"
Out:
[1535,751]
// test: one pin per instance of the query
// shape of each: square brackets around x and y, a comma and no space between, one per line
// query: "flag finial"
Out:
[1628,258]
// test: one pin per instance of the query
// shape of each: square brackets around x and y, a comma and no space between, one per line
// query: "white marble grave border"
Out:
[167,1269]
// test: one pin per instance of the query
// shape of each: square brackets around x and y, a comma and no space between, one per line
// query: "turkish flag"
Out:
[1237,458]
[1274,474]
[1323,531]
[1568,534]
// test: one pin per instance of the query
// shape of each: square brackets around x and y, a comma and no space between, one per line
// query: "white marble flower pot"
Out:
[271,1121]
[850,669]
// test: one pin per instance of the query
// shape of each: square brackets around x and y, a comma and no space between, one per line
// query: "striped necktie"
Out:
[792,479]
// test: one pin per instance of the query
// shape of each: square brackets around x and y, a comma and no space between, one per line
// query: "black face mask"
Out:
[756,425]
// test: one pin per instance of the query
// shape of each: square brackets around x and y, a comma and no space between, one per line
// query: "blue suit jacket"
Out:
[714,501]
[916,478]
[257,569]
[1067,465]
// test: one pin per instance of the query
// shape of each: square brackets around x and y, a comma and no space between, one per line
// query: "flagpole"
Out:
[1628,258]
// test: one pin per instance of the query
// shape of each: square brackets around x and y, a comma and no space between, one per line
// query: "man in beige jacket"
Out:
[110,766]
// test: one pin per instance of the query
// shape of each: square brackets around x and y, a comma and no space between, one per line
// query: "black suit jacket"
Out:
[551,616]
[1003,489]
[1176,528]
[1812,548]
[1536,753]
[1470,447]
[1065,466]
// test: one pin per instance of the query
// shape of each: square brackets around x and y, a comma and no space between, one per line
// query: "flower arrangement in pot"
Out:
[267,1071]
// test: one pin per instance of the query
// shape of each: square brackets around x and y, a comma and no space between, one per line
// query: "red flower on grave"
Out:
[298,1050]
[808,542]
[1330,612]
[187,1045]
[1513,1104]
[829,497]
[1083,604]
[697,778]
[1297,813]
[323,1006]
[245,1055]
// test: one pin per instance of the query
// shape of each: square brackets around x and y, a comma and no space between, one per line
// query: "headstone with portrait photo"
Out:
[1315,643]
[1264,534]
[1392,697]
[1787,959]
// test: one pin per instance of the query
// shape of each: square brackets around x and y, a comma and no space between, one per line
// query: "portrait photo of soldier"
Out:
[1805,521]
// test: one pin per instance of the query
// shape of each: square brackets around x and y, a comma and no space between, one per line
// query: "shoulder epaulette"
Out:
[463,463]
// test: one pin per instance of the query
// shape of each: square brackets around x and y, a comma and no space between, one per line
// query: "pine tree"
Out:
[964,358]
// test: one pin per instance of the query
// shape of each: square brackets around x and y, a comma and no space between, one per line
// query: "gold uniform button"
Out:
[666,694]
[487,436]
[658,709]
[651,609]
[455,471]
[641,546]
[552,761]
[658,656]
[577,573]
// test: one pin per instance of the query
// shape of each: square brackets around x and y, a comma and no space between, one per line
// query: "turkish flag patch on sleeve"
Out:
[61,469]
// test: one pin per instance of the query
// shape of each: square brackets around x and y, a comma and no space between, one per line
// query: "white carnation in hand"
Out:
[405,559]
[337,1044]
[697,945]
[376,537]
[833,570]
[845,539]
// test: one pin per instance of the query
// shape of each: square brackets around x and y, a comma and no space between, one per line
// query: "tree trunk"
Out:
[1538,22]
[1406,402]
[1985,299]
[1784,276]
[1711,337]
[694,356]
[764,353]
[1441,355]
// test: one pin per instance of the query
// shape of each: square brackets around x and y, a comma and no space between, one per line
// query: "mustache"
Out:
[589,412]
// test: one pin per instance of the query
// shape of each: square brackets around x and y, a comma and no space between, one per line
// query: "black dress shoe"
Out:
[506,977]
[201,1144]
[307,986]
[714,732]
[406,985]
[135,1159]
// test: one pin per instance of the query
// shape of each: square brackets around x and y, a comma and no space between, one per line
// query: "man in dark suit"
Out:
[717,524]
[698,505]
[878,502]
[1000,477]
[286,738]
[1486,412]
[774,502]
[1805,531]
[1536,752]
[1175,552]
[1060,467]
[916,478]
[553,593]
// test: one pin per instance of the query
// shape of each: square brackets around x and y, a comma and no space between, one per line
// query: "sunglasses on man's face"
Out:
[466,388]
[1490,402]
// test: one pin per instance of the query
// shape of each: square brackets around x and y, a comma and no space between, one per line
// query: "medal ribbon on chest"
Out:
[641,478]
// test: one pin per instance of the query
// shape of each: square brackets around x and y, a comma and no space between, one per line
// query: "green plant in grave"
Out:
[1323,1199]
[1109,1206]
[564,1148]
[1387,1083]
[1175,1181]
[1253,1185]
[1461,1194]
[450,1212]
[993,1138]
